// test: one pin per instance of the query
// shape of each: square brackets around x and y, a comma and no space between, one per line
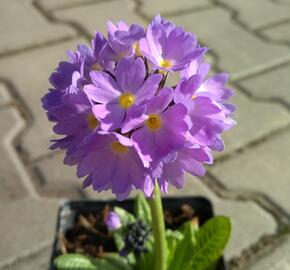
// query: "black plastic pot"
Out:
[69,210]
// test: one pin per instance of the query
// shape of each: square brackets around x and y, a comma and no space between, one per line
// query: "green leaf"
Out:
[142,209]
[113,262]
[118,236]
[75,262]
[172,239]
[82,262]
[184,249]
[125,217]
[211,240]
[146,260]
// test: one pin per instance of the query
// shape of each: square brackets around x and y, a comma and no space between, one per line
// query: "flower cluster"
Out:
[137,234]
[122,125]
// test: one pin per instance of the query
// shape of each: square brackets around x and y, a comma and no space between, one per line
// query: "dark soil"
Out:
[89,234]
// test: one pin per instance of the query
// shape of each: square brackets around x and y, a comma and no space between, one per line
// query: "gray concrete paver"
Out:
[92,17]
[278,33]
[21,26]
[31,84]
[26,226]
[31,47]
[265,170]
[279,259]
[253,16]
[4,96]
[151,7]
[37,261]
[271,85]
[238,51]
[57,179]
[11,184]
[53,5]
[268,116]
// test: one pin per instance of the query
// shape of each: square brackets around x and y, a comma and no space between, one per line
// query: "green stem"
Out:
[158,225]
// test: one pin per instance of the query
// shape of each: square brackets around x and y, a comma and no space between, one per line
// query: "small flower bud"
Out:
[113,221]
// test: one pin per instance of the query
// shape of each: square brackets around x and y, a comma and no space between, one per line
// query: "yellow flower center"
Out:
[136,48]
[153,122]
[92,121]
[165,63]
[96,67]
[193,97]
[118,148]
[119,56]
[126,100]
[162,71]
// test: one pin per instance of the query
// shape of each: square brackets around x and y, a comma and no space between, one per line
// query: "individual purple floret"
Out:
[111,162]
[124,39]
[122,124]
[168,47]
[113,221]
[160,129]
[115,95]
[187,160]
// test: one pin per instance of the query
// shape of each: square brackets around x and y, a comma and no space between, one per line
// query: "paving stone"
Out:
[265,169]
[239,52]
[4,96]
[276,86]
[280,33]
[94,17]
[32,84]
[279,259]
[251,14]
[26,226]
[11,186]
[249,221]
[57,179]
[284,2]
[62,4]
[35,29]
[150,7]
[38,261]
[249,114]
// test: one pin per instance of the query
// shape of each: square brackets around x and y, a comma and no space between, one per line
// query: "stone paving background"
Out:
[250,181]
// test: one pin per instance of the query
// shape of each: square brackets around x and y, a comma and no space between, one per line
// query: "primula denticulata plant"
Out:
[125,129]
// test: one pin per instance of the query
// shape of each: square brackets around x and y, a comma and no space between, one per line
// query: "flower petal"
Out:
[111,114]
[130,74]
[160,102]
[144,144]
[134,118]
[148,89]
[104,89]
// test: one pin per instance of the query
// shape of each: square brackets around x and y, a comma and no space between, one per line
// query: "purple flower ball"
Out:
[122,125]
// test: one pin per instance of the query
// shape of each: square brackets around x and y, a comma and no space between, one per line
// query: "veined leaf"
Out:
[113,262]
[173,238]
[146,259]
[211,240]
[142,209]
[184,248]
[82,262]
[126,218]
[118,236]
[75,261]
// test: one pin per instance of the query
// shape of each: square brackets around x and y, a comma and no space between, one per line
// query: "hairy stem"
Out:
[158,225]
